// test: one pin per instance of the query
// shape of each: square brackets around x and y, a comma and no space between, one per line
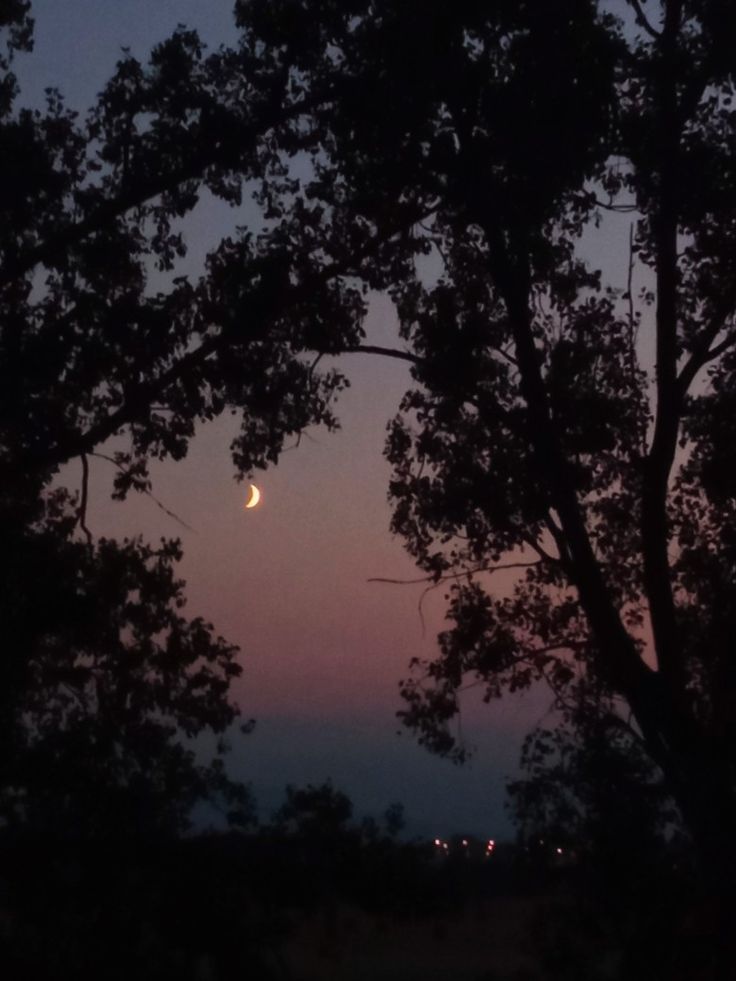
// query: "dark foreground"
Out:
[217,908]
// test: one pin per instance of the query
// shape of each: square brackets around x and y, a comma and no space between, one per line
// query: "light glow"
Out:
[253,497]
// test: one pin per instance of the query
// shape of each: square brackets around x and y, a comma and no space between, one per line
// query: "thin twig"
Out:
[310,372]
[718,350]
[541,552]
[420,606]
[436,242]
[505,354]
[619,209]
[629,291]
[155,500]
[454,575]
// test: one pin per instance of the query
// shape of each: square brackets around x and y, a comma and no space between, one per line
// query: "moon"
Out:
[253,497]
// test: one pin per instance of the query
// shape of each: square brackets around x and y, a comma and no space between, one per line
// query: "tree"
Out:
[546,433]
[317,813]
[593,810]
[590,788]
[100,337]
[101,675]
[113,677]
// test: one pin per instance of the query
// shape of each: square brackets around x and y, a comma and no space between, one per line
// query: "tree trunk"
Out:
[709,810]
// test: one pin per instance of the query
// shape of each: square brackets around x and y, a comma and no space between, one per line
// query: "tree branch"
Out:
[619,658]
[718,350]
[138,398]
[386,352]
[171,514]
[642,20]
[658,464]
[466,573]
[619,209]
[509,266]
[209,152]
[541,552]
[702,352]
[136,403]
[82,512]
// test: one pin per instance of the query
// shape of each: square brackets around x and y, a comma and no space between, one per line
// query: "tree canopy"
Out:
[559,421]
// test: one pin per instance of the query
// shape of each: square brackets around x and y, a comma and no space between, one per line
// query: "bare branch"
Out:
[630,297]
[386,352]
[668,412]
[420,606]
[642,20]
[616,721]
[702,353]
[505,354]
[541,552]
[84,496]
[718,350]
[171,514]
[464,574]
[75,694]
[620,209]
[310,379]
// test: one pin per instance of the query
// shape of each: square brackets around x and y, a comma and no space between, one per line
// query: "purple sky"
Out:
[323,649]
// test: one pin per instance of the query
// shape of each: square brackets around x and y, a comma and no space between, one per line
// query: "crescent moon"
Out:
[254,497]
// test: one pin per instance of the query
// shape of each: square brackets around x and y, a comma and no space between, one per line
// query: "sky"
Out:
[323,648]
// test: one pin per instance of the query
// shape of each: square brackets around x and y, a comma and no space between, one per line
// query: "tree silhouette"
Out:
[99,336]
[103,678]
[589,788]
[314,812]
[571,430]
[533,439]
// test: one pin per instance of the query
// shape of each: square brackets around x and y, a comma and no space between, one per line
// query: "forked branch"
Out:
[643,21]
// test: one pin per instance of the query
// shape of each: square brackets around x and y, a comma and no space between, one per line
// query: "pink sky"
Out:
[322,648]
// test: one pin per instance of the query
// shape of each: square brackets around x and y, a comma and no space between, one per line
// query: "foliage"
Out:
[314,812]
[590,787]
[94,222]
[105,679]
[322,812]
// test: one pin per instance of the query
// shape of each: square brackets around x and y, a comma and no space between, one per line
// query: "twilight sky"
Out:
[323,649]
